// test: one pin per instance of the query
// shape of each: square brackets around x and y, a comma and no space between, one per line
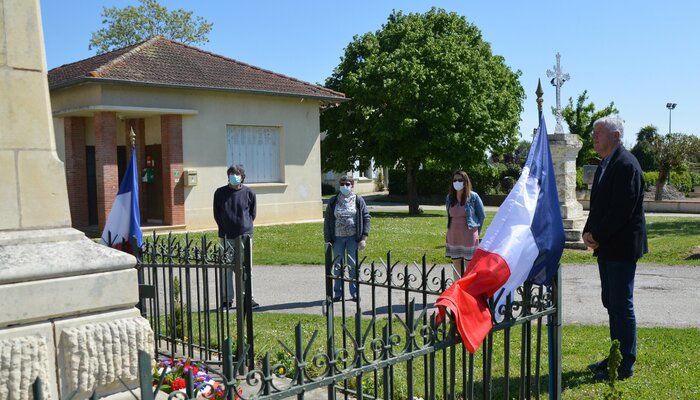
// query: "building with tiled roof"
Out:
[193,113]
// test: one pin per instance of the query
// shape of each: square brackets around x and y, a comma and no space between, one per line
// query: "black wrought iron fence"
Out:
[386,344]
[186,293]
[434,350]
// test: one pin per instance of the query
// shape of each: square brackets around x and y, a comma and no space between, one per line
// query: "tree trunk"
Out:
[660,183]
[412,187]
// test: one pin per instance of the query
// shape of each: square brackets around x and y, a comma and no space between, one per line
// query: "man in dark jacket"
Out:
[616,231]
[234,213]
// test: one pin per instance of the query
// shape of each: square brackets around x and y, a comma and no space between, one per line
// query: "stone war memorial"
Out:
[565,148]
[68,315]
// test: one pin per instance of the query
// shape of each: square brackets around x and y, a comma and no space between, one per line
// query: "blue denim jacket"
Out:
[474,208]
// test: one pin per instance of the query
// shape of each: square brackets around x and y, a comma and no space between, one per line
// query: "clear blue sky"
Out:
[639,54]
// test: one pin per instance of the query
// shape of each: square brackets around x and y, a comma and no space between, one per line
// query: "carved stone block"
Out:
[22,360]
[100,355]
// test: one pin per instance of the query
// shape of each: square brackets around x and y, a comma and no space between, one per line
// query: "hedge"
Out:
[485,180]
[499,179]
[327,189]
[683,181]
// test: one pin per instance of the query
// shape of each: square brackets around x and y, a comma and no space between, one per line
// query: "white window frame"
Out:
[257,148]
[368,173]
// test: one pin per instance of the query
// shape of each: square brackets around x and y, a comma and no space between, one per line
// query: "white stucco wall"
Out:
[297,198]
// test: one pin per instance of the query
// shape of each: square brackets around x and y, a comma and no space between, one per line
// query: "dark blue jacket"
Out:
[234,211]
[616,216]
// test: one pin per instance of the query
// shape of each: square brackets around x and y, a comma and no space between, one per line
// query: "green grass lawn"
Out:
[668,363]
[671,240]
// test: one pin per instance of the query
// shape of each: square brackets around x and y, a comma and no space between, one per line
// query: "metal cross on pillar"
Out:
[558,79]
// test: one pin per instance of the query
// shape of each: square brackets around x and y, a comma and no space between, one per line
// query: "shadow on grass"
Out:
[570,380]
[387,215]
[399,309]
[573,379]
[675,227]
[289,306]
[436,200]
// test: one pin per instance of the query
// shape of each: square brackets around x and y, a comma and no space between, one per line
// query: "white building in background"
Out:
[194,113]
[372,179]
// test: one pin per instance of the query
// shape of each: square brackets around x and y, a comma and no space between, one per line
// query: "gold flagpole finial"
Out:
[132,136]
[539,92]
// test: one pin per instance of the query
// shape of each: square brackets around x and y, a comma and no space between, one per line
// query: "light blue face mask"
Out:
[346,190]
[234,180]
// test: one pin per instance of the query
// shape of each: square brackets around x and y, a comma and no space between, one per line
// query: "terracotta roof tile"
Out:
[161,61]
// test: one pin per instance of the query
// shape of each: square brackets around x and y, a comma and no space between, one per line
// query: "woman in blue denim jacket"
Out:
[465,216]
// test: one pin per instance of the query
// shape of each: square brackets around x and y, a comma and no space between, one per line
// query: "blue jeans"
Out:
[341,246]
[617,284]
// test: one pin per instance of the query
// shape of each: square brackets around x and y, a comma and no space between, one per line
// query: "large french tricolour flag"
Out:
[123,228]
[524,241]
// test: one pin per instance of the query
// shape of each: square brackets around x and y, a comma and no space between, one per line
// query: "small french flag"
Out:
[123,228]
[524,242]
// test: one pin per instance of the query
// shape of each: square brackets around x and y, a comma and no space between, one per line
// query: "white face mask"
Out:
[458,185]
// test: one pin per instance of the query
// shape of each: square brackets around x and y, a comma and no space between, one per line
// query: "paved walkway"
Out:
[664,295]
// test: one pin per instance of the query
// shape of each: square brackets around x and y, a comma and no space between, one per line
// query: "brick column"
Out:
[173,186]
[76,170]
[139,126]
[107,174]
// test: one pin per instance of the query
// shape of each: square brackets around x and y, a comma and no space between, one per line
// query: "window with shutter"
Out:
[257,149]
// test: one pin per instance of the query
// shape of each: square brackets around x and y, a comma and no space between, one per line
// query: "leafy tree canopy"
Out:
[671,153]
[516,155]
[130,25]
[425,88]
[647,134]
[580,119]
[643,150]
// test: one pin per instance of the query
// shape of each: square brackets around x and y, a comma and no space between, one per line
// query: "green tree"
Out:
[516,154]
[671,153]
[643,148]
[130,25]
[510,164]
[425,88]
[580,119]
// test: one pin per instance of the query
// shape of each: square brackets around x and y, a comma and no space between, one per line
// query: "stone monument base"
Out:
[573,228]
[68,316]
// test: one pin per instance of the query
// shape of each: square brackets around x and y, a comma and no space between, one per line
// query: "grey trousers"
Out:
[226,274]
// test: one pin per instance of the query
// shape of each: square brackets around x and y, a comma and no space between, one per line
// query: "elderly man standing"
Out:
[616,231]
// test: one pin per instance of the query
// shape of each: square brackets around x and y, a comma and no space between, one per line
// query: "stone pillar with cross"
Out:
[558,79]
[565,148]
[68,314]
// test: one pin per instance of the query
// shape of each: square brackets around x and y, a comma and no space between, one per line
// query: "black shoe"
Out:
[337,299]
[353,299]
[621,375]
[228,305]
[601,365]
[254,304]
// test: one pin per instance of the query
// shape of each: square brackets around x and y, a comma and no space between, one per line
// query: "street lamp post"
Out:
[670,107]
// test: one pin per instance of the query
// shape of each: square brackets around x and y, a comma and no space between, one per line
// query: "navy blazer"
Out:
[616,216]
